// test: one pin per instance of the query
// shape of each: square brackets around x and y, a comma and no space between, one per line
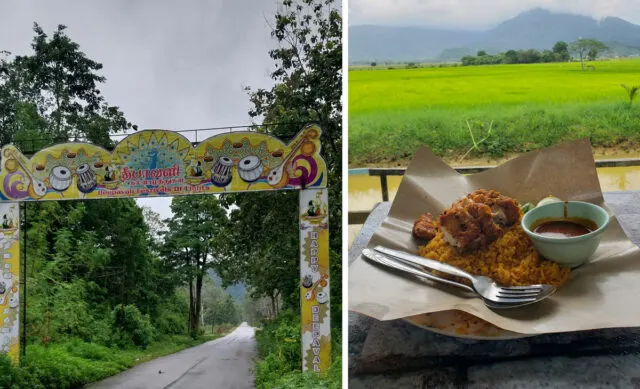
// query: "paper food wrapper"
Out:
[601,294]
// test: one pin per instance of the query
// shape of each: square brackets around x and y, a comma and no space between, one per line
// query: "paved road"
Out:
[222,363]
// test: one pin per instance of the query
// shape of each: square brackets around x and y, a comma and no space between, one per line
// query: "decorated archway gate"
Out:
[165,163]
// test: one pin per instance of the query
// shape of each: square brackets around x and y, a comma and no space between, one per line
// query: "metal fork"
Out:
[494,295]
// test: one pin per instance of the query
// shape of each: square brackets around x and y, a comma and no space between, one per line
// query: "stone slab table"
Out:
[395,354]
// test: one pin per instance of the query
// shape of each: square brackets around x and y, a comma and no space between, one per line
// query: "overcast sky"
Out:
[169,64]
[478,14]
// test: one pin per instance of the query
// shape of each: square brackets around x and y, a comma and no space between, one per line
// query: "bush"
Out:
[280,350]
[131,328]
[13,377]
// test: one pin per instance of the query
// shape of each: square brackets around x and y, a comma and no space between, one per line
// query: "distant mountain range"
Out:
[237,291]
[536,29]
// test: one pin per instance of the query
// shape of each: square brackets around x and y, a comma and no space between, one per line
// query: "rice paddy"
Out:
[393,111]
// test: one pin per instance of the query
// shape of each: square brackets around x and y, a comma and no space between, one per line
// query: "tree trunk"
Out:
[190,304]
[198,305]
[273,305]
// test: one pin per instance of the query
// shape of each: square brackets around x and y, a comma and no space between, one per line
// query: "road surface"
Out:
[222,363]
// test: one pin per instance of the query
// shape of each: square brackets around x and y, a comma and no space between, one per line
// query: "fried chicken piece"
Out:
[477,219]
[506,210]
[424,227]
[459,227]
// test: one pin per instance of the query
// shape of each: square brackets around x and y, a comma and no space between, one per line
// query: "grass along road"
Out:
[223,363]
[392,112]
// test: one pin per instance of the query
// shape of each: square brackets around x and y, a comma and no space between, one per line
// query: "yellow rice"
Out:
[511,260]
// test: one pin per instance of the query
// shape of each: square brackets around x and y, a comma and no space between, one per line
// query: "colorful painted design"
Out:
[164,163]
[314,280]
[9,280]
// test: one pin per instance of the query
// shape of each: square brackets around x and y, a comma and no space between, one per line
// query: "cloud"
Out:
[169,64]
[474,14]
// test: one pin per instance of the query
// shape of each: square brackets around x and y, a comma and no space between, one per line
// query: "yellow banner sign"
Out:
[314,283]
[164,163]
[9,280]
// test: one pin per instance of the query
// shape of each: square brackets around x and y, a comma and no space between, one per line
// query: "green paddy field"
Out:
[393,111]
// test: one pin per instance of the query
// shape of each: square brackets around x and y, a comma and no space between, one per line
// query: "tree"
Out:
[529,56]
[157,226]
[481,53]
[83,258]
[308,88]
[262,248]
[52,95]
[468,60]
[218,306]
[191,244]
[584,47]
[511,57]
[547,56]
[561,51]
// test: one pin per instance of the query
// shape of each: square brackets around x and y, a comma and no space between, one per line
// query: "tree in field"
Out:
[481,53]
[53,95]
[191,244]
[511,57]
[584,48]
[547,56]
[561,51]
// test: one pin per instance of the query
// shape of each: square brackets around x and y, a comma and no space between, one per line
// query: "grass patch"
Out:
[392,112]
[74,363]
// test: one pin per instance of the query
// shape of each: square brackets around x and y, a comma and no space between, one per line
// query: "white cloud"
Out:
[474,14]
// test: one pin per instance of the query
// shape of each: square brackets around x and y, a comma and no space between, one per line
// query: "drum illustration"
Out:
[322,298]
[86,179]
[221,172]
[60,178]
[250,168]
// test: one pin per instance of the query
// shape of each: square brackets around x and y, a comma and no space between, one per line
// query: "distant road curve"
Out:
[226,363]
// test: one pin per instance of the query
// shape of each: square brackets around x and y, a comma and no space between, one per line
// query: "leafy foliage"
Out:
[131,328]
[587,49]
[52,95]
[191,244]
[632,91]
[559,53]
[308,88]
[280,365]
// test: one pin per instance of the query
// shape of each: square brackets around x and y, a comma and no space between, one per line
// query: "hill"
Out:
[534,29]
[379,43]
[237,291]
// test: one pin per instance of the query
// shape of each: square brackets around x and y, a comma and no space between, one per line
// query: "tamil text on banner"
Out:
[314,280]
[164,163]
[9,280]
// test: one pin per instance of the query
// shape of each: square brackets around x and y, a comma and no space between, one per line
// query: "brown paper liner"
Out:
[601,294]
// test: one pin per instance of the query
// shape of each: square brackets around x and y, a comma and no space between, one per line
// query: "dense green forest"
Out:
[109,284]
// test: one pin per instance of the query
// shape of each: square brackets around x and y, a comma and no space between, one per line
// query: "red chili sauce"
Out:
[563,227]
